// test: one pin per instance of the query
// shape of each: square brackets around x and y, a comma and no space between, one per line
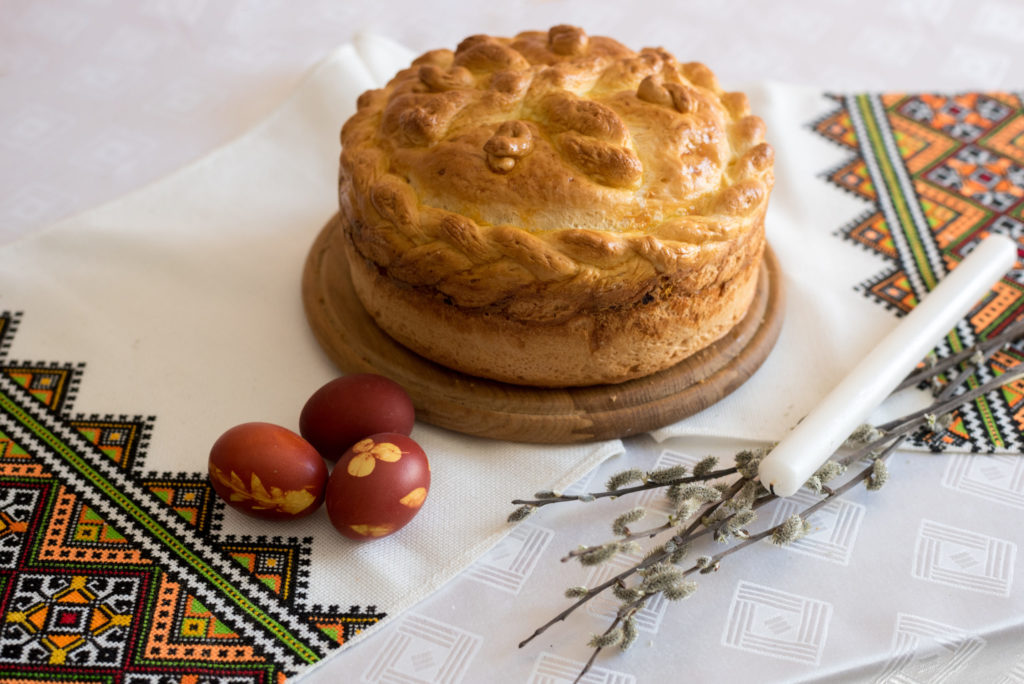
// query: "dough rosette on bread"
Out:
[554,208]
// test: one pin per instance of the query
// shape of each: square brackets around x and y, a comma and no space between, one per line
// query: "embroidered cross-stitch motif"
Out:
[110,573]
[940,173]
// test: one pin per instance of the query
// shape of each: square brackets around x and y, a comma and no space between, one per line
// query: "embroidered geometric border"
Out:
[112,574]
[939,173]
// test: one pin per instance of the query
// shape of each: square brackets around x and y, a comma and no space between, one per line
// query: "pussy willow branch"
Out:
[892,440]
[647,533]
[685,537]
[688,535]
[591,593]
[713,561]
[971,363]
[941,406]
[990,345]
[891,436]
[806,512]
[597,651]
[620,617]
[692,532]
[899,430]
[713,475]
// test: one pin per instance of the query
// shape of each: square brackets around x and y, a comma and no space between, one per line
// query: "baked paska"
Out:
[553,209]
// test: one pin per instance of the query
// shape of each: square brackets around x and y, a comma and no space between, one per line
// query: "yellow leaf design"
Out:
[386,451]
[415,498]
[235,481]
[372,530]
[367,451]
[296,501]
[361,465]
[291,501]
[257,490]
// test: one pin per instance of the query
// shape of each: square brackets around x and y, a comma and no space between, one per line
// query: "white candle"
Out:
[816,437]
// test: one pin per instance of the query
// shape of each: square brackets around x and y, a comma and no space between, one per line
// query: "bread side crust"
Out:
[588,348]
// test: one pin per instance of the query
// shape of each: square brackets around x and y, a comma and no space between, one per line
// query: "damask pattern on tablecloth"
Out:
[940,173]
[777,624]
[553,669]
[110,573]
[928,651]
[422,649]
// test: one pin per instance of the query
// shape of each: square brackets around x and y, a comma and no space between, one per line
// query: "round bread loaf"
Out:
[553,209]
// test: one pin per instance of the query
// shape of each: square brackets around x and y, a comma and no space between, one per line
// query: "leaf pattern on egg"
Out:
[372,530]
[368,452]
[415,498]
[291,501]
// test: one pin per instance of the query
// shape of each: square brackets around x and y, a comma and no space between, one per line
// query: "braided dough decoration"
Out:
[554,208]
[553,172]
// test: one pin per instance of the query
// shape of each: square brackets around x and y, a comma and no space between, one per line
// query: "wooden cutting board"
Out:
[486,408]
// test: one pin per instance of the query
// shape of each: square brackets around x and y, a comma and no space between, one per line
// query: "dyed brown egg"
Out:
[349,408]
[267,471]
[378,486]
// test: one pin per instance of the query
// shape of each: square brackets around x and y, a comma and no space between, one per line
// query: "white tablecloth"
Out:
[99,99]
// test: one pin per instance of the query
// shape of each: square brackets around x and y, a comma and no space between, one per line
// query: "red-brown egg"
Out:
[267,471]
[378,486]
[349,408]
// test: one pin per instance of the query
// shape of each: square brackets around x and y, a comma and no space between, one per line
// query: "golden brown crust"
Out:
[553,175]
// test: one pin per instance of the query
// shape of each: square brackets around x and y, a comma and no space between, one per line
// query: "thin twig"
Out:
[990,345]
[940,407]
[811,509]
[591,593]
[621,616]
[713,475]
[632,536]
